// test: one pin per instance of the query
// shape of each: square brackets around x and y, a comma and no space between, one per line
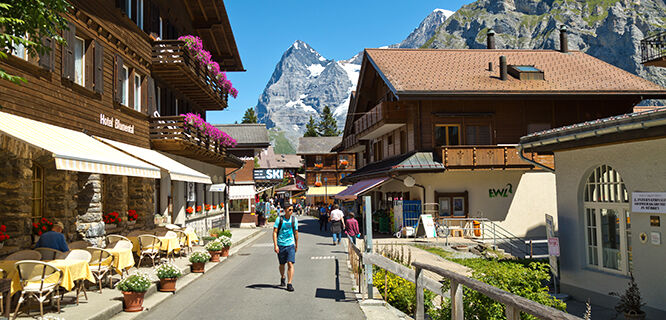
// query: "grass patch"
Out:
[280,143]
[435,250]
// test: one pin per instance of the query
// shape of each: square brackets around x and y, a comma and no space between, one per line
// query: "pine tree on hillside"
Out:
[250,116]
[311,128]
[328,126]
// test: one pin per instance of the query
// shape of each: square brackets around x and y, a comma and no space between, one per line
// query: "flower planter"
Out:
[168,284]
[198,267]
[225,252]
[215,255]
[133,301]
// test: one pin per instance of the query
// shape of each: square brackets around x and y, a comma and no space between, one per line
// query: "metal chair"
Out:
[33,274]
[149,246]
[101,265]
[25,255]
[82,245]
[50,254]
[172,226]
[79,255]
[113,239]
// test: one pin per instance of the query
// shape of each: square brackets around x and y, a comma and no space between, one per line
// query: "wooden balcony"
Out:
[489,157]
[173,135]
[351,143]
[174,64]
[653,50]
[380,120]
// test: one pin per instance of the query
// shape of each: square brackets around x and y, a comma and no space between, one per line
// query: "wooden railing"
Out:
[384,111]
[654,48]
[350,141]
[175,64]
[487,157]
[514,304]
[175,129]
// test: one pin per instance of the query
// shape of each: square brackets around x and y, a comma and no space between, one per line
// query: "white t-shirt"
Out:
[337,214]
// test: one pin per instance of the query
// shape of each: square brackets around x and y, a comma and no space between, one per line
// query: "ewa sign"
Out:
[268,174]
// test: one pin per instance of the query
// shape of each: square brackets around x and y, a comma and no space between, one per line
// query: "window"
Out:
[137,92]
[607,221]
[478,135]
[124,87]
[79,61]
[19,50]
[239,205]
[139,13]
[452,204]
[447,135]
[37,191]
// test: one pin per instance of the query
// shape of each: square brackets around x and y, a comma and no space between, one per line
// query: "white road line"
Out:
[323,258]
[263,245]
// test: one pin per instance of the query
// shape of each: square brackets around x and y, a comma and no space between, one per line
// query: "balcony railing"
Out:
[488,157]
[380,120]
[350,141]
[172,134]
[653,50]
[174,64]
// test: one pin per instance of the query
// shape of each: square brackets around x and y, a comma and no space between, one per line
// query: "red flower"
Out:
[34,225]
[198,208]
[39,233]
[3,228]
[44,220]
[44,228]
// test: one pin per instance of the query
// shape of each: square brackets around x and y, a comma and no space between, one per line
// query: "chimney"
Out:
[490,39]
[564,40]
[503,69]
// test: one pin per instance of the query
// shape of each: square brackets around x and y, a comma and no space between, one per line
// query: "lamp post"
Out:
[325,189]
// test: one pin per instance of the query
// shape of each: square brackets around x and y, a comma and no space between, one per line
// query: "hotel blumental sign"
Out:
[115,123]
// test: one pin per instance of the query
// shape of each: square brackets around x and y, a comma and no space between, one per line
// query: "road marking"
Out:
[263,245]
[323,258]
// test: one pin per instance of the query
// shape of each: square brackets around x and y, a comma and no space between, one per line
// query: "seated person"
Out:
[53,239]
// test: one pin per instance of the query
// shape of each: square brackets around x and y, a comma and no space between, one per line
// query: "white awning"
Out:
[177,170]
[217,187]
[75,151]
[241,192]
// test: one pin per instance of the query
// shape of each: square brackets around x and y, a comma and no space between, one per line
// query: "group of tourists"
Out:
[339,223]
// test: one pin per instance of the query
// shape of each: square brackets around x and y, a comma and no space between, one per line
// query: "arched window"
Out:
[607,222]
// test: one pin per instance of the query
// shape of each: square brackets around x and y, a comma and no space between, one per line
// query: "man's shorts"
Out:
[287,253]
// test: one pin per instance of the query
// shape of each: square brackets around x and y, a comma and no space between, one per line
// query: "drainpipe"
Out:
[520,153]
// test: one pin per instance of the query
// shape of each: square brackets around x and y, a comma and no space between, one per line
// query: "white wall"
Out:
[642,166]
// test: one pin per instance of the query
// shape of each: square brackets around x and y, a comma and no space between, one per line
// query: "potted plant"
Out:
[3,235]
[133,287]
[132,216]
[189,210]
[226,242]
[215,232]
[630,301]
[41,226]
[318,184]
[215,249]
[318,165]
[198,260]
[344,162]
[199,209]
[111,218]
[168,274]
[207,206]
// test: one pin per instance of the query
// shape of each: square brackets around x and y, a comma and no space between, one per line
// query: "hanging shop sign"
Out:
[115,123]
[268,174]
[648,202]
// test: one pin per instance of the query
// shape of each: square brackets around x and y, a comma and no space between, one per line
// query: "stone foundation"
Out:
[141,191]
[89,225]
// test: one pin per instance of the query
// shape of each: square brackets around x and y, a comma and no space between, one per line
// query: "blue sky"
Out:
[336,29]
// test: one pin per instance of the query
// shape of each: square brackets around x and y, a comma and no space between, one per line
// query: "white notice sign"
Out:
[554,247]
[426,226]
[648,202]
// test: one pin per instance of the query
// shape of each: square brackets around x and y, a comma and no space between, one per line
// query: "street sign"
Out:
[268,174]
[554,247]
[426,226]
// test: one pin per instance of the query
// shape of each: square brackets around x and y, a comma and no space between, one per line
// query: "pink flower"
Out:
[195,46]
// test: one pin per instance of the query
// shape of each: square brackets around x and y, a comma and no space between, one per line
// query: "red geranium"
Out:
[207,207]
[132,215]
[42,225]
[198,208]
[3,236]
[111,217]
[189,210]
[214,207]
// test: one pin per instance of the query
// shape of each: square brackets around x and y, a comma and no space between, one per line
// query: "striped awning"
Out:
[241,192]
[177,171]
[73,150]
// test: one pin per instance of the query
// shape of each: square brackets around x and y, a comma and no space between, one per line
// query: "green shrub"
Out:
[134,283]
[226,233]
[215,232]
[400,293]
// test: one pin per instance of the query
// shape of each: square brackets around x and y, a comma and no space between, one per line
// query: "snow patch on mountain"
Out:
[316,69]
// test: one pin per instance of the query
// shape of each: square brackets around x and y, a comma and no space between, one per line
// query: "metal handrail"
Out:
[653,47]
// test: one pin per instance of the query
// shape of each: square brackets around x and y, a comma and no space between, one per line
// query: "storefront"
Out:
[242,205]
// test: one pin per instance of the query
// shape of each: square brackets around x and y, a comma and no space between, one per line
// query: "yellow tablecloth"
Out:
[168,244]
[72,270]
[123,259]
[192,237]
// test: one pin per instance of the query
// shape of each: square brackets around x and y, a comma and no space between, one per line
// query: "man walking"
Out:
[337,224]
[285,240]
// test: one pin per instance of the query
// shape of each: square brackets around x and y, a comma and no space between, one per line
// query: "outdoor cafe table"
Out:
[73,270]
[192,237]
[123,259]
[169,244]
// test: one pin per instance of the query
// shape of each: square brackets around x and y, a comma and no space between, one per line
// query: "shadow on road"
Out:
[264,286]
[337,294]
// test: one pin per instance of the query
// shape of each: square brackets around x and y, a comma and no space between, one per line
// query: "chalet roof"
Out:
[269,159]
[632,126]
[465,72]
[247,134]
[410,162]
[317,145]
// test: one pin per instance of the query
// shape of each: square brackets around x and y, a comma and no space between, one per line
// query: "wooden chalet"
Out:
[447,123]
[324,167]
[96,127]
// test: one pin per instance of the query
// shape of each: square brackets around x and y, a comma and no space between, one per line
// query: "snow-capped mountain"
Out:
[304,82]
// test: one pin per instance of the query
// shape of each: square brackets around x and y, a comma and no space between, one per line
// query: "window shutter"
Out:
[118,81]
[151,103]
[99,67]
[68,53]
[46,60]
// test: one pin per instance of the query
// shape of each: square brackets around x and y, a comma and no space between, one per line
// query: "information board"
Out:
[268,174]
[648,202]
[426,226]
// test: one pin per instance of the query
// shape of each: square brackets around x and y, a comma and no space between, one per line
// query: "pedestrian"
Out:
[323,219]
[337,224]
[53,239]
[285,240]
[352,228]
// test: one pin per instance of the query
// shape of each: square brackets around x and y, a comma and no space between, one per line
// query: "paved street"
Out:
[246,285]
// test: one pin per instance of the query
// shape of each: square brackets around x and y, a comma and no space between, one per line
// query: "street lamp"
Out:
[325,189]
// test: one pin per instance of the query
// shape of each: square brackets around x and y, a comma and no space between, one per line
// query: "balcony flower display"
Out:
[43,225]
[132,215]
[209,130]
[189,210]
[199,209]
[318,184]
[207,206]
[195,46]
[214,207]
[344,162]
[3,235]
[111,217]
[319,165]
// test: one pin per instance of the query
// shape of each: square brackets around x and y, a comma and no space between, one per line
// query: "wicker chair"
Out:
[149,246]
[113,239]
[50,254]
[183,243]
[172,226]
[25,255]
[82,245]
[79,255]
[101,265]
[32,274]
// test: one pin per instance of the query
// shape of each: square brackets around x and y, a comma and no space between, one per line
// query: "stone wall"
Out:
[141,198]
[15,192]
[60,189]
[89,225]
